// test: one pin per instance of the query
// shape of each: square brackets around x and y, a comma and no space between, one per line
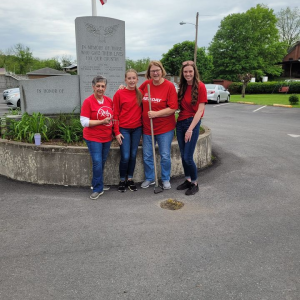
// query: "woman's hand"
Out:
[152,114]
[188,135]
[122,87]
[119,138]
[106,120]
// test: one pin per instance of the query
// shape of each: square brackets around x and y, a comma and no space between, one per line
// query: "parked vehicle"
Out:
[12,98]
[9,91]
[217,93]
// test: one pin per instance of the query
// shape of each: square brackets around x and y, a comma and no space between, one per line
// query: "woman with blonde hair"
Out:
[163,106]
[128,127]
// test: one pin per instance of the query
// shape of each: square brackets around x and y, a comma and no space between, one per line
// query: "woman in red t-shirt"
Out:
[96,119]
[163,106]
[128,128]
[192,97]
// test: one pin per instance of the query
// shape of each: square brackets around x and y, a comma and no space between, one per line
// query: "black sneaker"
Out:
[122,187]
[193,189]
[184,185]
[131,185]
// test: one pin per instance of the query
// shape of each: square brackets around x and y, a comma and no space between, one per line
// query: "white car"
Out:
[217,93]
[12,97]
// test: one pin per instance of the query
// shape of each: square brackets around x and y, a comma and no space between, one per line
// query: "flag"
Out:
[103,1]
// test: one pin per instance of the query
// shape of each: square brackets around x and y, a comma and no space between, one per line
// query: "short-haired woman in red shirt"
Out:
[128,127]
[96,119]
[192,97]
[163,106]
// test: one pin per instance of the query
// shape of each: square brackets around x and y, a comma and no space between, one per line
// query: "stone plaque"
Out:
[100,46]
[51,95]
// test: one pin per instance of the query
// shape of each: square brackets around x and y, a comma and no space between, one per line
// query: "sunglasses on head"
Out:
[188,63]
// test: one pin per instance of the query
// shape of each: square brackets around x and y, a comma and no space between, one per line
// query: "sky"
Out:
[152,27]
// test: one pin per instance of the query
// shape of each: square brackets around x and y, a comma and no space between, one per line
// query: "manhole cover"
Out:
[171,204]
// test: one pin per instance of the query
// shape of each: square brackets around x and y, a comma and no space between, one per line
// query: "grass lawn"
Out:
[264,99]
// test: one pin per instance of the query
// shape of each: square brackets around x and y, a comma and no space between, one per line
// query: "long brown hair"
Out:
[138,93]
[183,83]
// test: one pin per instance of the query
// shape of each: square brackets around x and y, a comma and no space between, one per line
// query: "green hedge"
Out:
[264,87]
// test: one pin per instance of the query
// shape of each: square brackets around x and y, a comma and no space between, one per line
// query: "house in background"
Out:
[45,72]
[291,62]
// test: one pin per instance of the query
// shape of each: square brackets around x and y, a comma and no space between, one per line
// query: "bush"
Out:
[66,127]
[269,87]
[294,99]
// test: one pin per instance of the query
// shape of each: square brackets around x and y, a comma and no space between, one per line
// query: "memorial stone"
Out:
[100,45]
[51,95]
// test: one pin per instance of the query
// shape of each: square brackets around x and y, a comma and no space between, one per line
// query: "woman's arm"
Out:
[196,119]
[161,113]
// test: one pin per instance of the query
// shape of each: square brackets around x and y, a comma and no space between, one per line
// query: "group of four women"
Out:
[128,116]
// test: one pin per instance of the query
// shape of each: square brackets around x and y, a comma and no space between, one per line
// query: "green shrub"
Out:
[269,87]
[24,129]
[294,99]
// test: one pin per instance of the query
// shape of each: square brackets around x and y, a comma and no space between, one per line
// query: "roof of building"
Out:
[48,72]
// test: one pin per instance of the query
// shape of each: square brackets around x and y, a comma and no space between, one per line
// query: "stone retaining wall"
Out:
[47,164]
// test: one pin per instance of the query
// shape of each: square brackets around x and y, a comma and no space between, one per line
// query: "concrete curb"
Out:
[282,105]
[48,164]
[242,102]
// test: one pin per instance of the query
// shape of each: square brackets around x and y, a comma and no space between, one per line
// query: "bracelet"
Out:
[190,131]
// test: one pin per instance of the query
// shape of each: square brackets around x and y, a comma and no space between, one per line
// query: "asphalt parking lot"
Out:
[238,238]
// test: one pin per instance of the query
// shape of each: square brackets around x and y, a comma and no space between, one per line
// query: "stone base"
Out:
[47,164]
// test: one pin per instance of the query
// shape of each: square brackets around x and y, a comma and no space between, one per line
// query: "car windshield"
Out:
[210,86]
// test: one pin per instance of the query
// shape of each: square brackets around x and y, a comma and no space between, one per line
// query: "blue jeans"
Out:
[187,149]
[99,153]
[128,150]
[164,141]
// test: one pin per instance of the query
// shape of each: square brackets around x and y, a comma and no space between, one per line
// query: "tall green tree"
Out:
[24,58]
[173,59]
[288,24]
[247,43]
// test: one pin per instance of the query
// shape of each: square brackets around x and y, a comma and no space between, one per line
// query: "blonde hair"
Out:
[156,63]
[138,93]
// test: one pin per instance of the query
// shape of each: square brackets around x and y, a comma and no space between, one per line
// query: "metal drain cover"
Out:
[171,204]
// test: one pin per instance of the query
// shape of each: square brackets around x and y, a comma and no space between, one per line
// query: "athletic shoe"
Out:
[193,189]
[166,185]
[184,186]
[147,183]
[96,195]
[131,185]
[122,187]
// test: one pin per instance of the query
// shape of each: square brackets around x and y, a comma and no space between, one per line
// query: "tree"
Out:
[247,43]
[173,59]
[138,65]
[24,58]
[288,24]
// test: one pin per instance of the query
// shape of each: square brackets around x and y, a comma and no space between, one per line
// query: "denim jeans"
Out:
[164,141]
[187,149]
[99,153]
[128,150]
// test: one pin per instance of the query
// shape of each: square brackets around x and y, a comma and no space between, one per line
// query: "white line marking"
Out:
[294,135]
[220,104]
[259,108]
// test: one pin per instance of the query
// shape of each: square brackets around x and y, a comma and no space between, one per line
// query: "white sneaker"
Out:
[166,185]
[147,183]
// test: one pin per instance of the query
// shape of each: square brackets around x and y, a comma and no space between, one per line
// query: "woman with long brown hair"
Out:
[192,97]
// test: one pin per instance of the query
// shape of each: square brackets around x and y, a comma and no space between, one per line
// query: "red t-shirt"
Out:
[188,110]
[93,110]
[162,96]
[126,110]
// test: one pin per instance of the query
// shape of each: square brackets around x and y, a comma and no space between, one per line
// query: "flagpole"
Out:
[94,8]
